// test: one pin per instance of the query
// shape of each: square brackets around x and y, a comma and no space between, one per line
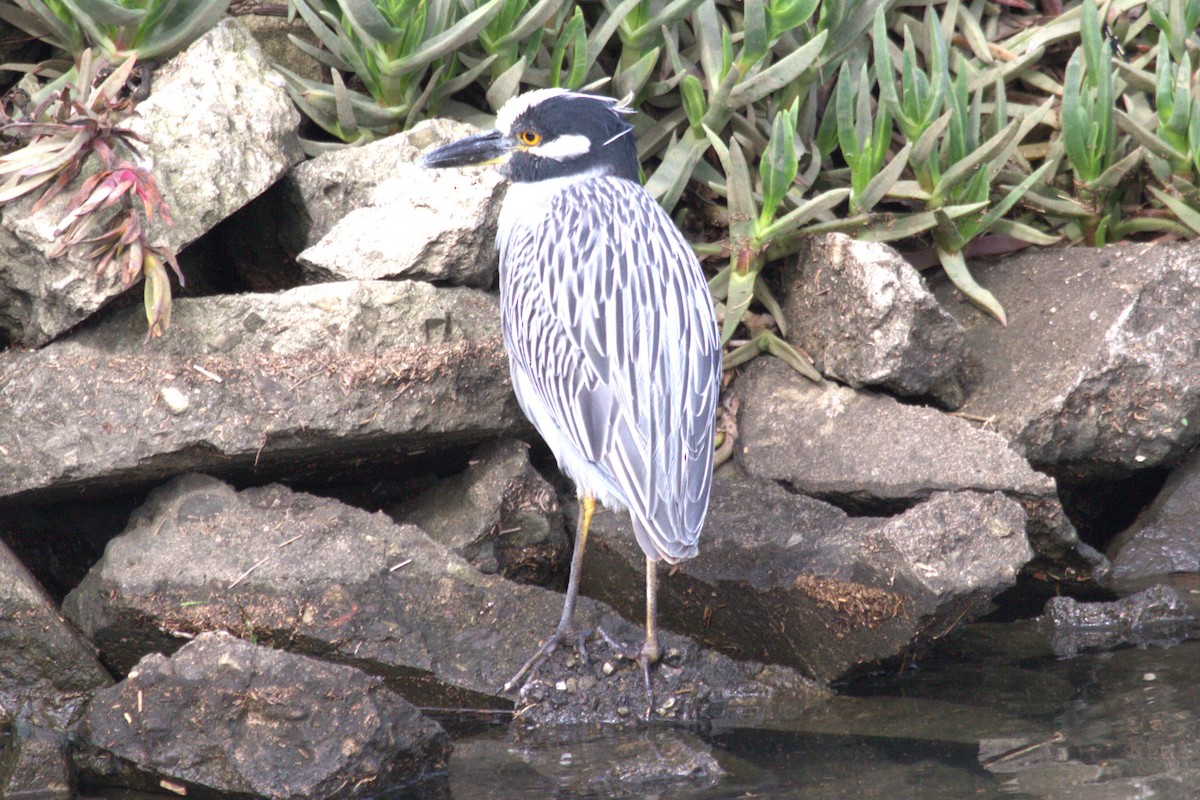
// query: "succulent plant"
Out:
[791,117]
[1089,129]
[1179,23]
[149,30]
[401,52]
[955,158]
[76,120]
[755,228]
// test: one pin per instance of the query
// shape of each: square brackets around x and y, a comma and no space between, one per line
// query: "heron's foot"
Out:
[644,656]
[562,635]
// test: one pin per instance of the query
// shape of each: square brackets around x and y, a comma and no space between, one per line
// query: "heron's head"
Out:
[550,133]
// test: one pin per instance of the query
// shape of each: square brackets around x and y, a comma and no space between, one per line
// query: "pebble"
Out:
[176,401]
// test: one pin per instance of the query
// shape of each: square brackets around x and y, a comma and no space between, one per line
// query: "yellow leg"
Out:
[650,649]
[587,506]
[650,652]
[565,632]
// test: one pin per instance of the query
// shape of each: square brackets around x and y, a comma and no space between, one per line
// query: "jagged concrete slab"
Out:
[1097,375]
[295,384]
[871,454]
[1162,540]
[432,225]
[867,319]
[320,578]
[220,129]
[35,762]
[225,716]
[46,668]
[500,514]
[789,579]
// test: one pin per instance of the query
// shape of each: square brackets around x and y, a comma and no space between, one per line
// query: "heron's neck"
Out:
[528,202]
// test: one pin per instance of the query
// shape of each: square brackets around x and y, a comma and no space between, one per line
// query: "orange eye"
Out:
[529,138]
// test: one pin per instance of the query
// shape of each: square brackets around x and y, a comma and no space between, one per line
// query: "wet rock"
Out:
[432,225]
[1163,538]
[500,515]
[871,454]
[300,383]
[1128,733]
[1097,374]
[791,580]
[866,318]
[46,669]
[318,577]
[691,685]
[220,130]
[583,761]
[1154,616]
[35,763]
[223,715]
[589,761]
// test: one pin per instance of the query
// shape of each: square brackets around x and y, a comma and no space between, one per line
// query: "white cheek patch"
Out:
[559,148]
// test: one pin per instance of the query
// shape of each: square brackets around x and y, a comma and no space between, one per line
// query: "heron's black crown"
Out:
[559,134]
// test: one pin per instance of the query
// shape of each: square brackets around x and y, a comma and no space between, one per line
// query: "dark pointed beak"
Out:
[482,148]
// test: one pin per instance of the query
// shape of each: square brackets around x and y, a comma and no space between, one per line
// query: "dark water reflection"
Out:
[991,714]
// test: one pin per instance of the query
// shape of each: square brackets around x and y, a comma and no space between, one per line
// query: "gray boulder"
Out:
[785,578]
[872,454]
[295,384]
[432,225]
[326,188]
[359,317]
[223,715]
[1165,538]
[500,515]
[1097,375]
[370,212]
[317,577]
[866,318]
[220,130]
[225,129]
[35,763]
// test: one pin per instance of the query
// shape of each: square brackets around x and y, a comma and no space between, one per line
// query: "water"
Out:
[991,713]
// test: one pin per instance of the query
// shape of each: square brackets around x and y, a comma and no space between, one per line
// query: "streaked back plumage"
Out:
[611,334]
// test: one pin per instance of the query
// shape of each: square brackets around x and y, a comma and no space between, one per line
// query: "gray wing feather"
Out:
[621,351]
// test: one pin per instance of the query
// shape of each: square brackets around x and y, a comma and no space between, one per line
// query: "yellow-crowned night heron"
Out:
[609,327]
